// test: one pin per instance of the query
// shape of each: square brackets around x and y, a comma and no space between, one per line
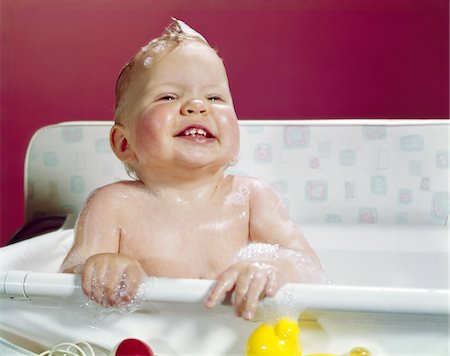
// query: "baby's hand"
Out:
[111,279]
[251,281]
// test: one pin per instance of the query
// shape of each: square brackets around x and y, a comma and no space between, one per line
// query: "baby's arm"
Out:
[107,277]
[278,254]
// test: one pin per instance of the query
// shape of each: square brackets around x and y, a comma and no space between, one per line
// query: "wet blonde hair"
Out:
[176,33]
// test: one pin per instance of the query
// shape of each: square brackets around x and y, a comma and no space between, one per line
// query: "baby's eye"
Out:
[166,97]
[214,98]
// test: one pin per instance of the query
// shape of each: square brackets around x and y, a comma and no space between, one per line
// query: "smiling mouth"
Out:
[198,133]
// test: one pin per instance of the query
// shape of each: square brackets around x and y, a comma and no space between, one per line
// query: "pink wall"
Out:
[286,59]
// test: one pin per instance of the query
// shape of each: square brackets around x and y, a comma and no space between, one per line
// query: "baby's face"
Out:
[180,111]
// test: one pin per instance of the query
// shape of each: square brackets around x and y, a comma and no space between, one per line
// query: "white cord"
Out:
[59,350]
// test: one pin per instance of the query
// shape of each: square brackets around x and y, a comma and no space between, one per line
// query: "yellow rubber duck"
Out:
[282,339]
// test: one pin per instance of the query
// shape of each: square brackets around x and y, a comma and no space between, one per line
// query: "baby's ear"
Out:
[119,143]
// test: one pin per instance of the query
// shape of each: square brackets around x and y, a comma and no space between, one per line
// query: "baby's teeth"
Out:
[190,132]
[193,131]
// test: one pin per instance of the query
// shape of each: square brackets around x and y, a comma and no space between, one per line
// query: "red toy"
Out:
[133,347]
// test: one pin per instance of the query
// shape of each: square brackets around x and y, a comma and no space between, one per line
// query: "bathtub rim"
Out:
[26,285]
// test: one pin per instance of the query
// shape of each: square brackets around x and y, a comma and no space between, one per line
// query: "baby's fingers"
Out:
[224,284]
[241,290]
[94,280]
[129,283]
[116,288]
[87,276]
[272,284]
[255,291]
[124,278]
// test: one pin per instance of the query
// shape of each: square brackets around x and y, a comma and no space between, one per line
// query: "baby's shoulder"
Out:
[255,186]
[263,199]
[111,194]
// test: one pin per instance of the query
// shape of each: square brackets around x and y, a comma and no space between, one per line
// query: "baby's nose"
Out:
[194,107]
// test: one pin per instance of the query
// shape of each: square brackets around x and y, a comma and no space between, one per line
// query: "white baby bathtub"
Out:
[371,197]
[391,297]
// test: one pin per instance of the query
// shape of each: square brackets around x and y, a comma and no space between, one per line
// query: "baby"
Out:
[176,130]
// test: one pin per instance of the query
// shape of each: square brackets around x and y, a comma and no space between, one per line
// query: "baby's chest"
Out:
[185,219]
[194,243]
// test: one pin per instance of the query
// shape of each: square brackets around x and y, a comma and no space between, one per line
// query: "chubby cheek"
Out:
[229,128]
[150,129]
